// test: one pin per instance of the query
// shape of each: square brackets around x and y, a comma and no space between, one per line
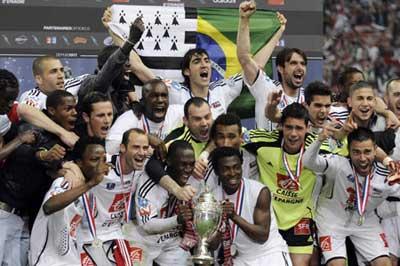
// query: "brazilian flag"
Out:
[171,31]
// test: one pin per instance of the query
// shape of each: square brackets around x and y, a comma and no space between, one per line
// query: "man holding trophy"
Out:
[253,237]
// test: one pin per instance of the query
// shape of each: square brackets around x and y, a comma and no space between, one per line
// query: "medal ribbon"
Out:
[127,201]
[299,165]
[363,199]
[146,127]
[89,211]
[238,206]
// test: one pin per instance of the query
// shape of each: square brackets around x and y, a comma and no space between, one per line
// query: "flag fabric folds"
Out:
[171,31]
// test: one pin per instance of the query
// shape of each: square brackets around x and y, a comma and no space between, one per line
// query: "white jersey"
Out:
[337,201]
[249,170]
[246,247]
[260,90]
[221,93]
[340,113]
[53,238]
[128,120]
[112,197]
[153,202]
[36,98]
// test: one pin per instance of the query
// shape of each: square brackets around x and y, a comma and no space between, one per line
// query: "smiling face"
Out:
[65,113]
[230,173]
[199,71]
[362,101]
[134,153]
[156,102]
[181,166]
[392,97]
[294,131]
[99,120]
[51,77]
[294,71]
[362,154]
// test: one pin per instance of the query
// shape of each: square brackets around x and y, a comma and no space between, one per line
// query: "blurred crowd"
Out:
[363,34]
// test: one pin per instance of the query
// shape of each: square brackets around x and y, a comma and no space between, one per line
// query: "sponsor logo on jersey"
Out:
[302,228]
[86,260]
[118,203]
[216,104]
[144,207]
[325,243]
[136,254]
[110,186]
[285,182]
[75,221]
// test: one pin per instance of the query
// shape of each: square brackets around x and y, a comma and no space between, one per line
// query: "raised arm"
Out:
[136,64]
[37,118]
[60,201]
[249,66]
[312,160]
[264,54]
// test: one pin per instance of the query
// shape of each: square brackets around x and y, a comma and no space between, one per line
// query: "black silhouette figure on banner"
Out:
[174,20]
[122,17]
[174,41]
[157,46]
[166,28]
[158,21]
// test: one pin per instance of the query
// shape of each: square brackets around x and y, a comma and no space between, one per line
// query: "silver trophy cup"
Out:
[206,218]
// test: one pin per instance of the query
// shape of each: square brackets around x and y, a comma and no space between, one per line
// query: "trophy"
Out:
[206,218]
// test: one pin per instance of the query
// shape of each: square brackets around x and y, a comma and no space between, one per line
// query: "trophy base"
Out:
[203,260]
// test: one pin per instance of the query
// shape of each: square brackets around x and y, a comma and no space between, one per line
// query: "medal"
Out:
[233,250]
[299,165]
[361,220]
[362,194]
[126,229]
[97,243]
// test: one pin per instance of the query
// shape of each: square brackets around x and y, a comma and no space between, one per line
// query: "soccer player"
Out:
[254,235]
[113,197]
[48,72]
[196,73]
[279,157]
[353,189]
[97,114]
[157,116]
[291,65]
[54,234]
[158,224]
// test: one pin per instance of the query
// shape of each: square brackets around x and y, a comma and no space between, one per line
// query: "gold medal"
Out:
[361,220]
[234,250]
[97,243]
[126,229]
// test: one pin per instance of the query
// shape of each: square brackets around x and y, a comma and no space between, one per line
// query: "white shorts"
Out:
[369,239]
[276,258]
[392,229]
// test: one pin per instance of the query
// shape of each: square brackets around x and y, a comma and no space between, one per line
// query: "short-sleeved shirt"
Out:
[291,201]
[54,236]
[260,90]
[221,93]
[128,120]
[36,98]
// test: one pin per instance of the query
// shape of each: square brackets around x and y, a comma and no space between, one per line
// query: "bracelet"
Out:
[41,150]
